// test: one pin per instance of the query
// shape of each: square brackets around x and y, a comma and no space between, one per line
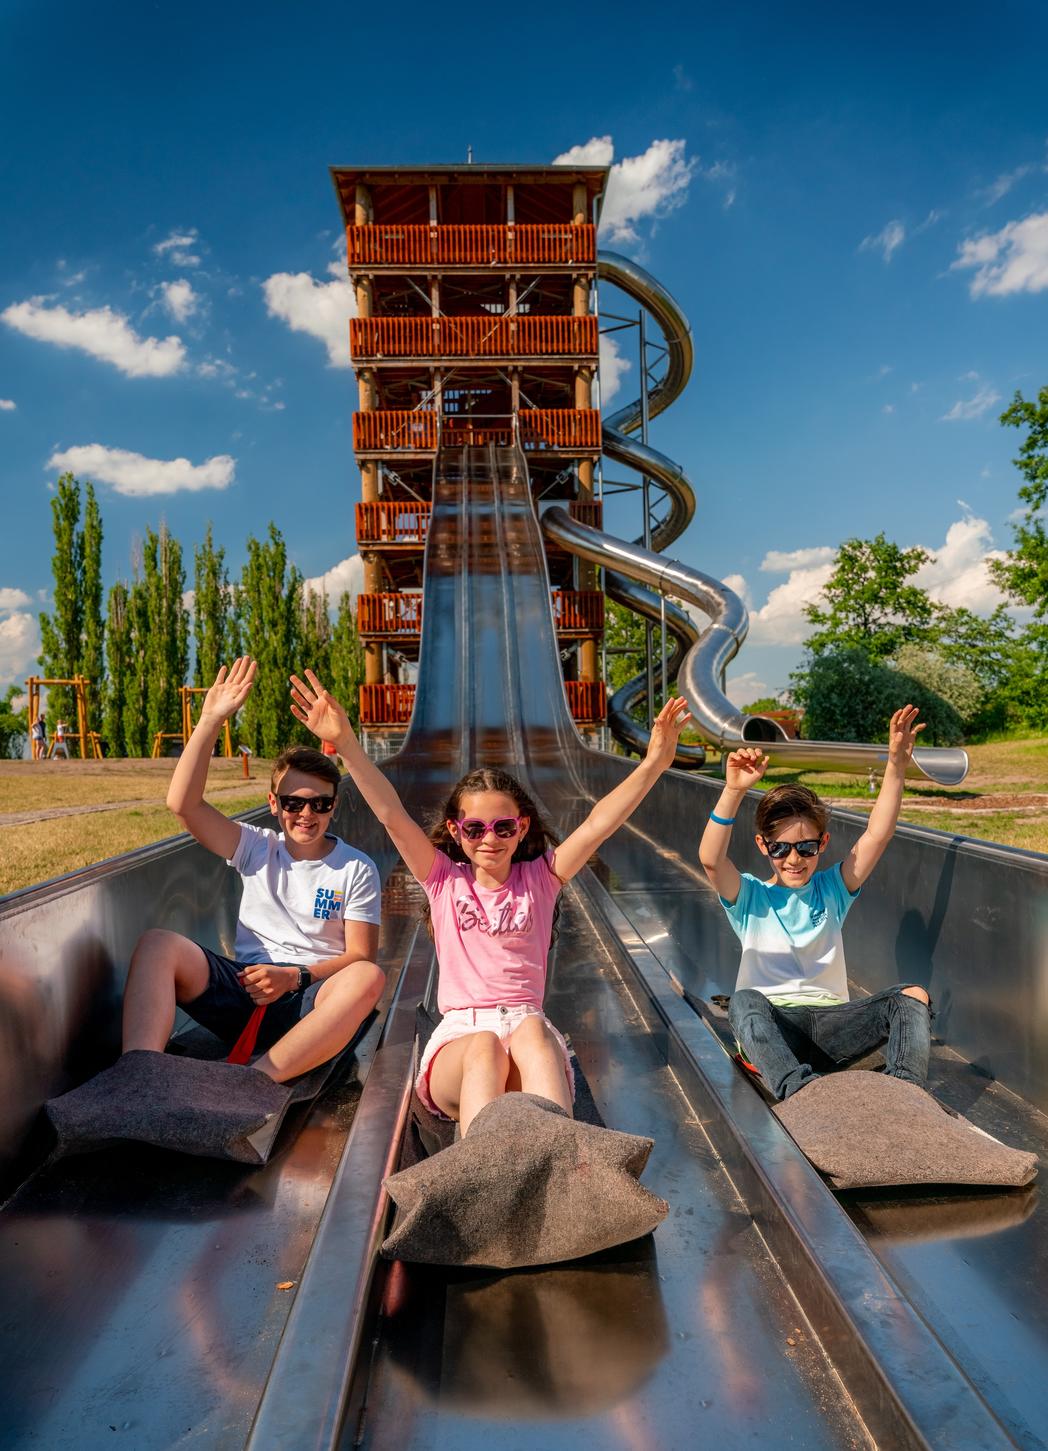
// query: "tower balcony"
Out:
[381,432]
[389,616]
[423,248]
[378,340]
[391,705]
[393,524]
[392,616]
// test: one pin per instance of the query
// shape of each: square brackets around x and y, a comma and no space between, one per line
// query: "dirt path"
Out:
[21,818]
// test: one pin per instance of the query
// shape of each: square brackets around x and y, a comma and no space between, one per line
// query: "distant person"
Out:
[307,932]
[60,743]
[791,998]
[492,873]
[38,738]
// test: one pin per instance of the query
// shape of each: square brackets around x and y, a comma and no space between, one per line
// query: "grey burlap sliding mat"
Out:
[526,1186]
[218,1110]
[862,1129]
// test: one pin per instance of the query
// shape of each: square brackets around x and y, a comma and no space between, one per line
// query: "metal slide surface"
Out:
[140,1290]
[757,1310]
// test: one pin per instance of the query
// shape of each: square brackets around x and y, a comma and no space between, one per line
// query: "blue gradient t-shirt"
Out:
[792,947]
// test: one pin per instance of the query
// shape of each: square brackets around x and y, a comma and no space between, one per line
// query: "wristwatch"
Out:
[305,977]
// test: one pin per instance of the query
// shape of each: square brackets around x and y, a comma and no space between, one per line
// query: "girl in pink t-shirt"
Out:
[492,874]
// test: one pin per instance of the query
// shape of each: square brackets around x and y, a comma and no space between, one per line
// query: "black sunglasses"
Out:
[780,850]
[319,805]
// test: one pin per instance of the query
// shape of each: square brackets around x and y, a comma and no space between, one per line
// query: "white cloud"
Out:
[743,689]
[778,561]
[102,333]
[347,575]
[888,408]
[648,185]
[887,241]
[321,309]
[177,248]
[180,299]
[13,599]
[137,476]
[613,366]
[1003,184]
[781,619]
[974,407]
[19,646]
[7,405]
[959,575]
[1015,259]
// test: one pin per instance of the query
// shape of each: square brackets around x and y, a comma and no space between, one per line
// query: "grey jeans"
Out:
[791,1046]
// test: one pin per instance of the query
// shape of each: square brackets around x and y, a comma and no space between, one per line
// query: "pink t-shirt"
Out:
[491,945]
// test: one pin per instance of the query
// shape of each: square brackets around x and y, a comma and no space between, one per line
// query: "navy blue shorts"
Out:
[224,1006]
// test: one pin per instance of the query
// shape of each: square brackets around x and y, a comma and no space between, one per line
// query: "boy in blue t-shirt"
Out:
[791,997]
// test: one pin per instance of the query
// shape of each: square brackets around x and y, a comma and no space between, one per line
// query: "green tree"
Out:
[210,610]
[167,643]
[626,641]
[269,612]
[347,660]
[848,697]
[14,725]
[61,630]
[133,722]
[118,667]
[92,640]
[871,605]
[1024,573]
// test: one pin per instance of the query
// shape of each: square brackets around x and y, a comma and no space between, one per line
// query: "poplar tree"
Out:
[347,660]
[210,610]
[167,644]
[270,605]
[60,631]
[118,666]
[90,661]
[135,691]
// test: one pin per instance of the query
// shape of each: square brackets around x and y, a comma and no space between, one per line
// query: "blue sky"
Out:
[852,208]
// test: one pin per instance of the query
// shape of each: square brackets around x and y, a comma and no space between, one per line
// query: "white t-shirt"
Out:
[292,911]
[792,948]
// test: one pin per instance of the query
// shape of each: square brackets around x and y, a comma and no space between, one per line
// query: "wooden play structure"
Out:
[87,740]
[186,693]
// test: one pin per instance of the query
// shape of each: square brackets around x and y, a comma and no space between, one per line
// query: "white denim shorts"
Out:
[502,1021]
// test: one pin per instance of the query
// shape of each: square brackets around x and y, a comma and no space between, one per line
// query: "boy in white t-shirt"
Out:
[790,1007]
[307,930]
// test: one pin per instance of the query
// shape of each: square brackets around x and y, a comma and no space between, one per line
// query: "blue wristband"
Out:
[722,820]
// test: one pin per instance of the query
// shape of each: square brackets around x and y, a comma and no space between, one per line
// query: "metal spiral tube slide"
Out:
[639,578]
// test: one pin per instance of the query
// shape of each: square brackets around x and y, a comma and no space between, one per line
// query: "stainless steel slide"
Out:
[701,669]
[165,1302]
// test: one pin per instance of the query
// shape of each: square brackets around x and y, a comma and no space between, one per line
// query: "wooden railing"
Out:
[588,700]
[386,430]
[386,704]
[418,245]
[472,337]
[389,614]
[578,612]
[588,511]
[393,521]
[560,428]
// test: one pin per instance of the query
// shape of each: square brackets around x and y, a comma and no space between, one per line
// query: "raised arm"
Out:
[185,794]
[318,709]
[612,810]
[742,770]
[868,850]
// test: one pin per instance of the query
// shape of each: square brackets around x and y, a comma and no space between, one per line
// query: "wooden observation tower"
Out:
[476,309]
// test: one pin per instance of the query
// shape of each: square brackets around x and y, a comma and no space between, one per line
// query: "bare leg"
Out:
[166,969]
[342,1004]
[538,1063]
[468,1074]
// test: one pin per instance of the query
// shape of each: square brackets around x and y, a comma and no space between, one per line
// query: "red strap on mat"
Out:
[244,1045]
